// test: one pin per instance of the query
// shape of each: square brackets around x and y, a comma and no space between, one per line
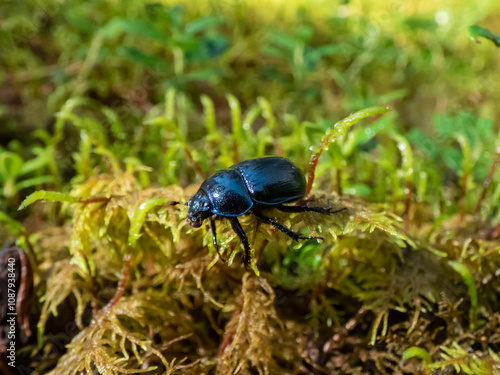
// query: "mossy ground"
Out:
[113,109]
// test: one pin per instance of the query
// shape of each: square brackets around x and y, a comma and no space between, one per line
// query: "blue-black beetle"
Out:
[250,186]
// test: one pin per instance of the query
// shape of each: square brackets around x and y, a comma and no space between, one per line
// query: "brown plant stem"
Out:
[312,166]
[122,285]
[94,199]
[339,337]
[339,181]
[277,147]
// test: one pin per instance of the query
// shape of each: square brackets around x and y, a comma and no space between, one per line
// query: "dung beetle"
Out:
[252,185]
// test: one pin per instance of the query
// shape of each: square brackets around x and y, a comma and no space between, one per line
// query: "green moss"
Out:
[366,259]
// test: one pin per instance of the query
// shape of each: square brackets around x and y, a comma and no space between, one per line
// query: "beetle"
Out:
[250,186]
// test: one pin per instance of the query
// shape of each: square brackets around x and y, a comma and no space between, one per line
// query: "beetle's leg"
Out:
[243,238]
[214,238]
[290,233]
[322,210]
[175,203]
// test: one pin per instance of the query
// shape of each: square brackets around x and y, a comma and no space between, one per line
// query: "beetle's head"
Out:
[198,209]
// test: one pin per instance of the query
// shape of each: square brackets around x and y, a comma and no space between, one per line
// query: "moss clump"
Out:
[156,99]
[147,293]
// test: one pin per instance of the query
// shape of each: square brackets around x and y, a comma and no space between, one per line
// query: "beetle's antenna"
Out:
[175,203]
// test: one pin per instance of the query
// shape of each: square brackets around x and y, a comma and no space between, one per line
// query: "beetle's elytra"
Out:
[250,186]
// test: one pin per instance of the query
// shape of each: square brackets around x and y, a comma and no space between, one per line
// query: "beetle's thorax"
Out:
[198,209]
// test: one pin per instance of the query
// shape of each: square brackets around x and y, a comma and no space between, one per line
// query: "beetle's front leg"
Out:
[214,238]
[243,238]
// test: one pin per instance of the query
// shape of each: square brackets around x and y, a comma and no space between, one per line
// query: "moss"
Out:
[176,301]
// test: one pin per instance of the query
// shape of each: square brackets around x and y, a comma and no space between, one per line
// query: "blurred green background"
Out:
[313,61]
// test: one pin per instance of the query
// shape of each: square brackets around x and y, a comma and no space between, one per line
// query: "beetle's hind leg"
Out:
[322,210]
[290,233]
[214,238]
[244,240]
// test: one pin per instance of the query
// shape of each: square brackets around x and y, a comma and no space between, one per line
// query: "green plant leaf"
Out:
[476,31]
[36,164]
[117,26]
[203,24]
[464,271]
[415,351]
[139,216]
[467,160]
[313,55]
[282,39]
[33,182]
[341,126]
[406,155]
[10,165]
[13,226]
[51,196]
[137,56]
